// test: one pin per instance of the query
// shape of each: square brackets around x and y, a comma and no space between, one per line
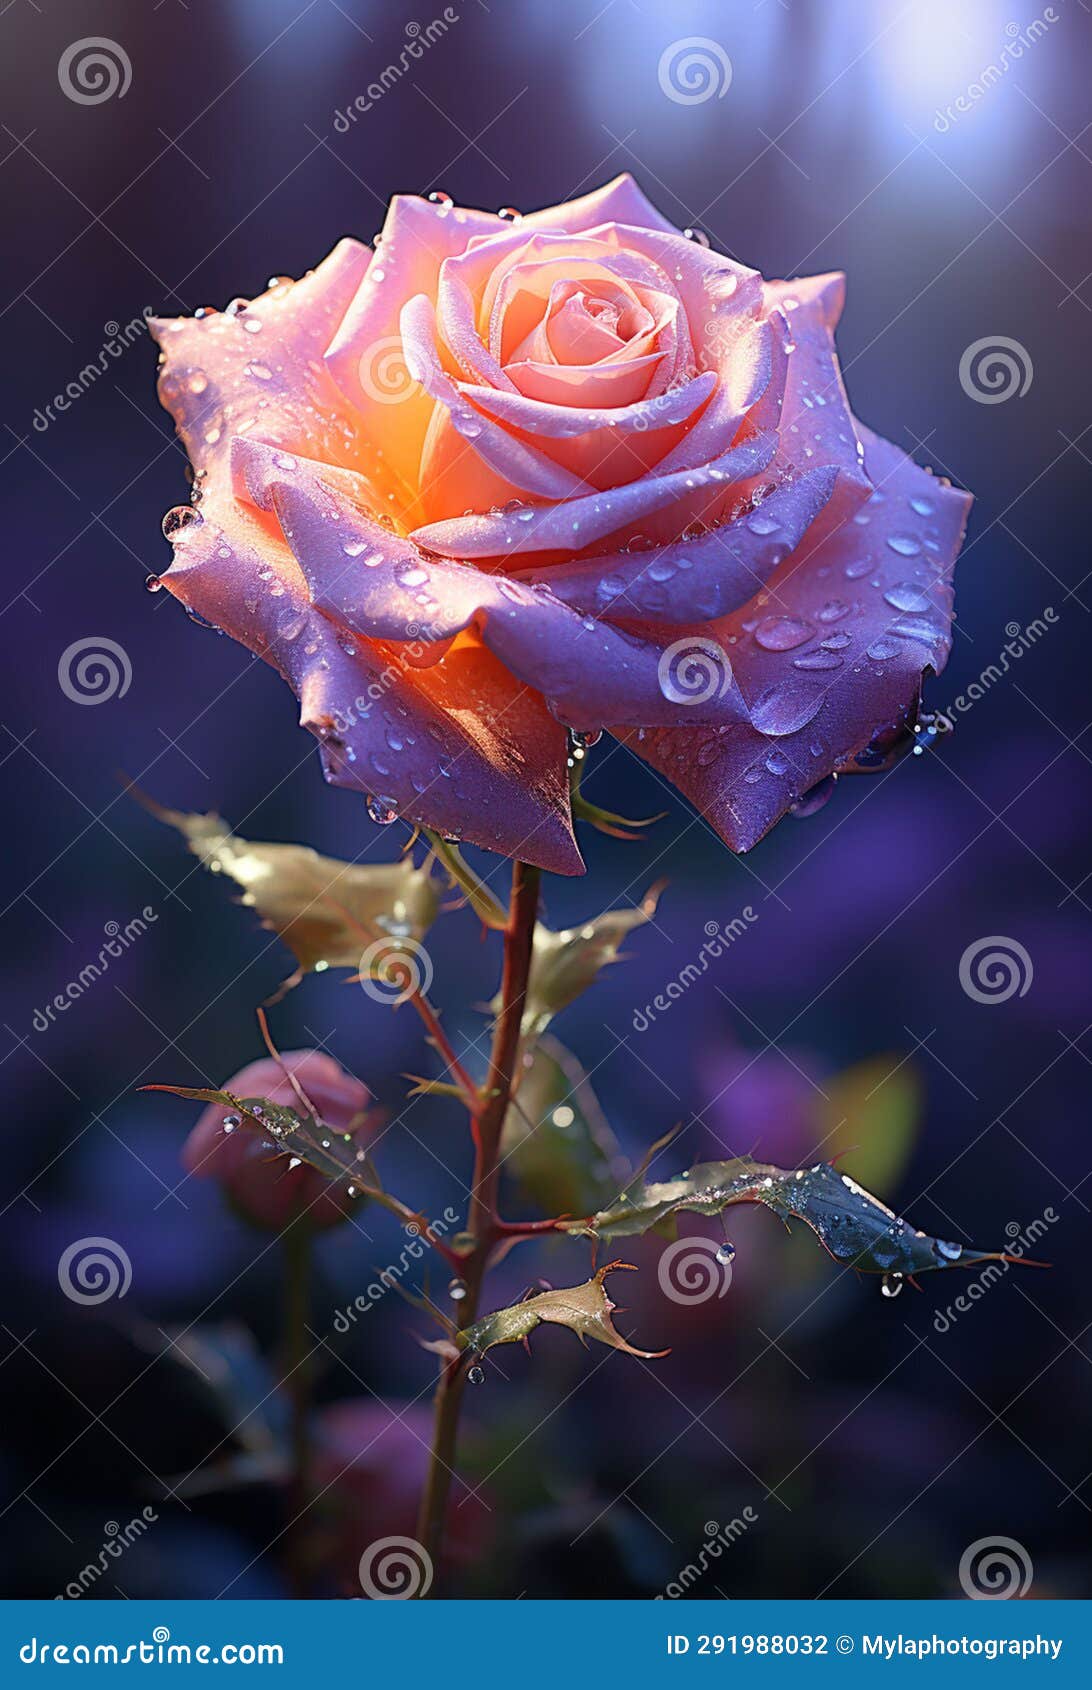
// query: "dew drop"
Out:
[382,812]
[880,650]
[456,1290]
[476,1375]
[785,708]
[782,633]
[906,595]
[904,544]
[180,518]
[891,1284]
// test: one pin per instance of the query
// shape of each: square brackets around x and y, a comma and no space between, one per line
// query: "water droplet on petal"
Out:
[382,812]
[782,633]
[906,595]
[786,707]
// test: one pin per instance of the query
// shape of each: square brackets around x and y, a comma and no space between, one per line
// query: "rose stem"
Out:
[482,1222]
[297,1270]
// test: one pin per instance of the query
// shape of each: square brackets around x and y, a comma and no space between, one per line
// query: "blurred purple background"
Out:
[892,1445]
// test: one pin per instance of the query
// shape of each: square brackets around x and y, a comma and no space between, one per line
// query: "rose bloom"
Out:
[503,479]
[258,1183]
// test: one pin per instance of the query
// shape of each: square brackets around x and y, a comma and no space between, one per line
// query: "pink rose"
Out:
[499,479]
[259,1183]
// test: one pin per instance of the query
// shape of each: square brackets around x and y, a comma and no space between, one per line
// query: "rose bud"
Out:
[262,1186]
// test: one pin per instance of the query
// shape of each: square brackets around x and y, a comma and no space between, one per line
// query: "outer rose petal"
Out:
[417,237]
[369,583]
[503,788]
[703,579]
[817,425]
[830,658]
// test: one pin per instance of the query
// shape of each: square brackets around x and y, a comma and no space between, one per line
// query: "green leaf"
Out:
[585,1309]
[871,1116]
[296,1135]
[565,964]
[848,1221]
[556,1142]
[328,912]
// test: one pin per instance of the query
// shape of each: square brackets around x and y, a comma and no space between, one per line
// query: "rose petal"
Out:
[416,238]
[258,370]
[519,467]
[583,521]
[817,425]
[697,580]
[830,662]
[370,583]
